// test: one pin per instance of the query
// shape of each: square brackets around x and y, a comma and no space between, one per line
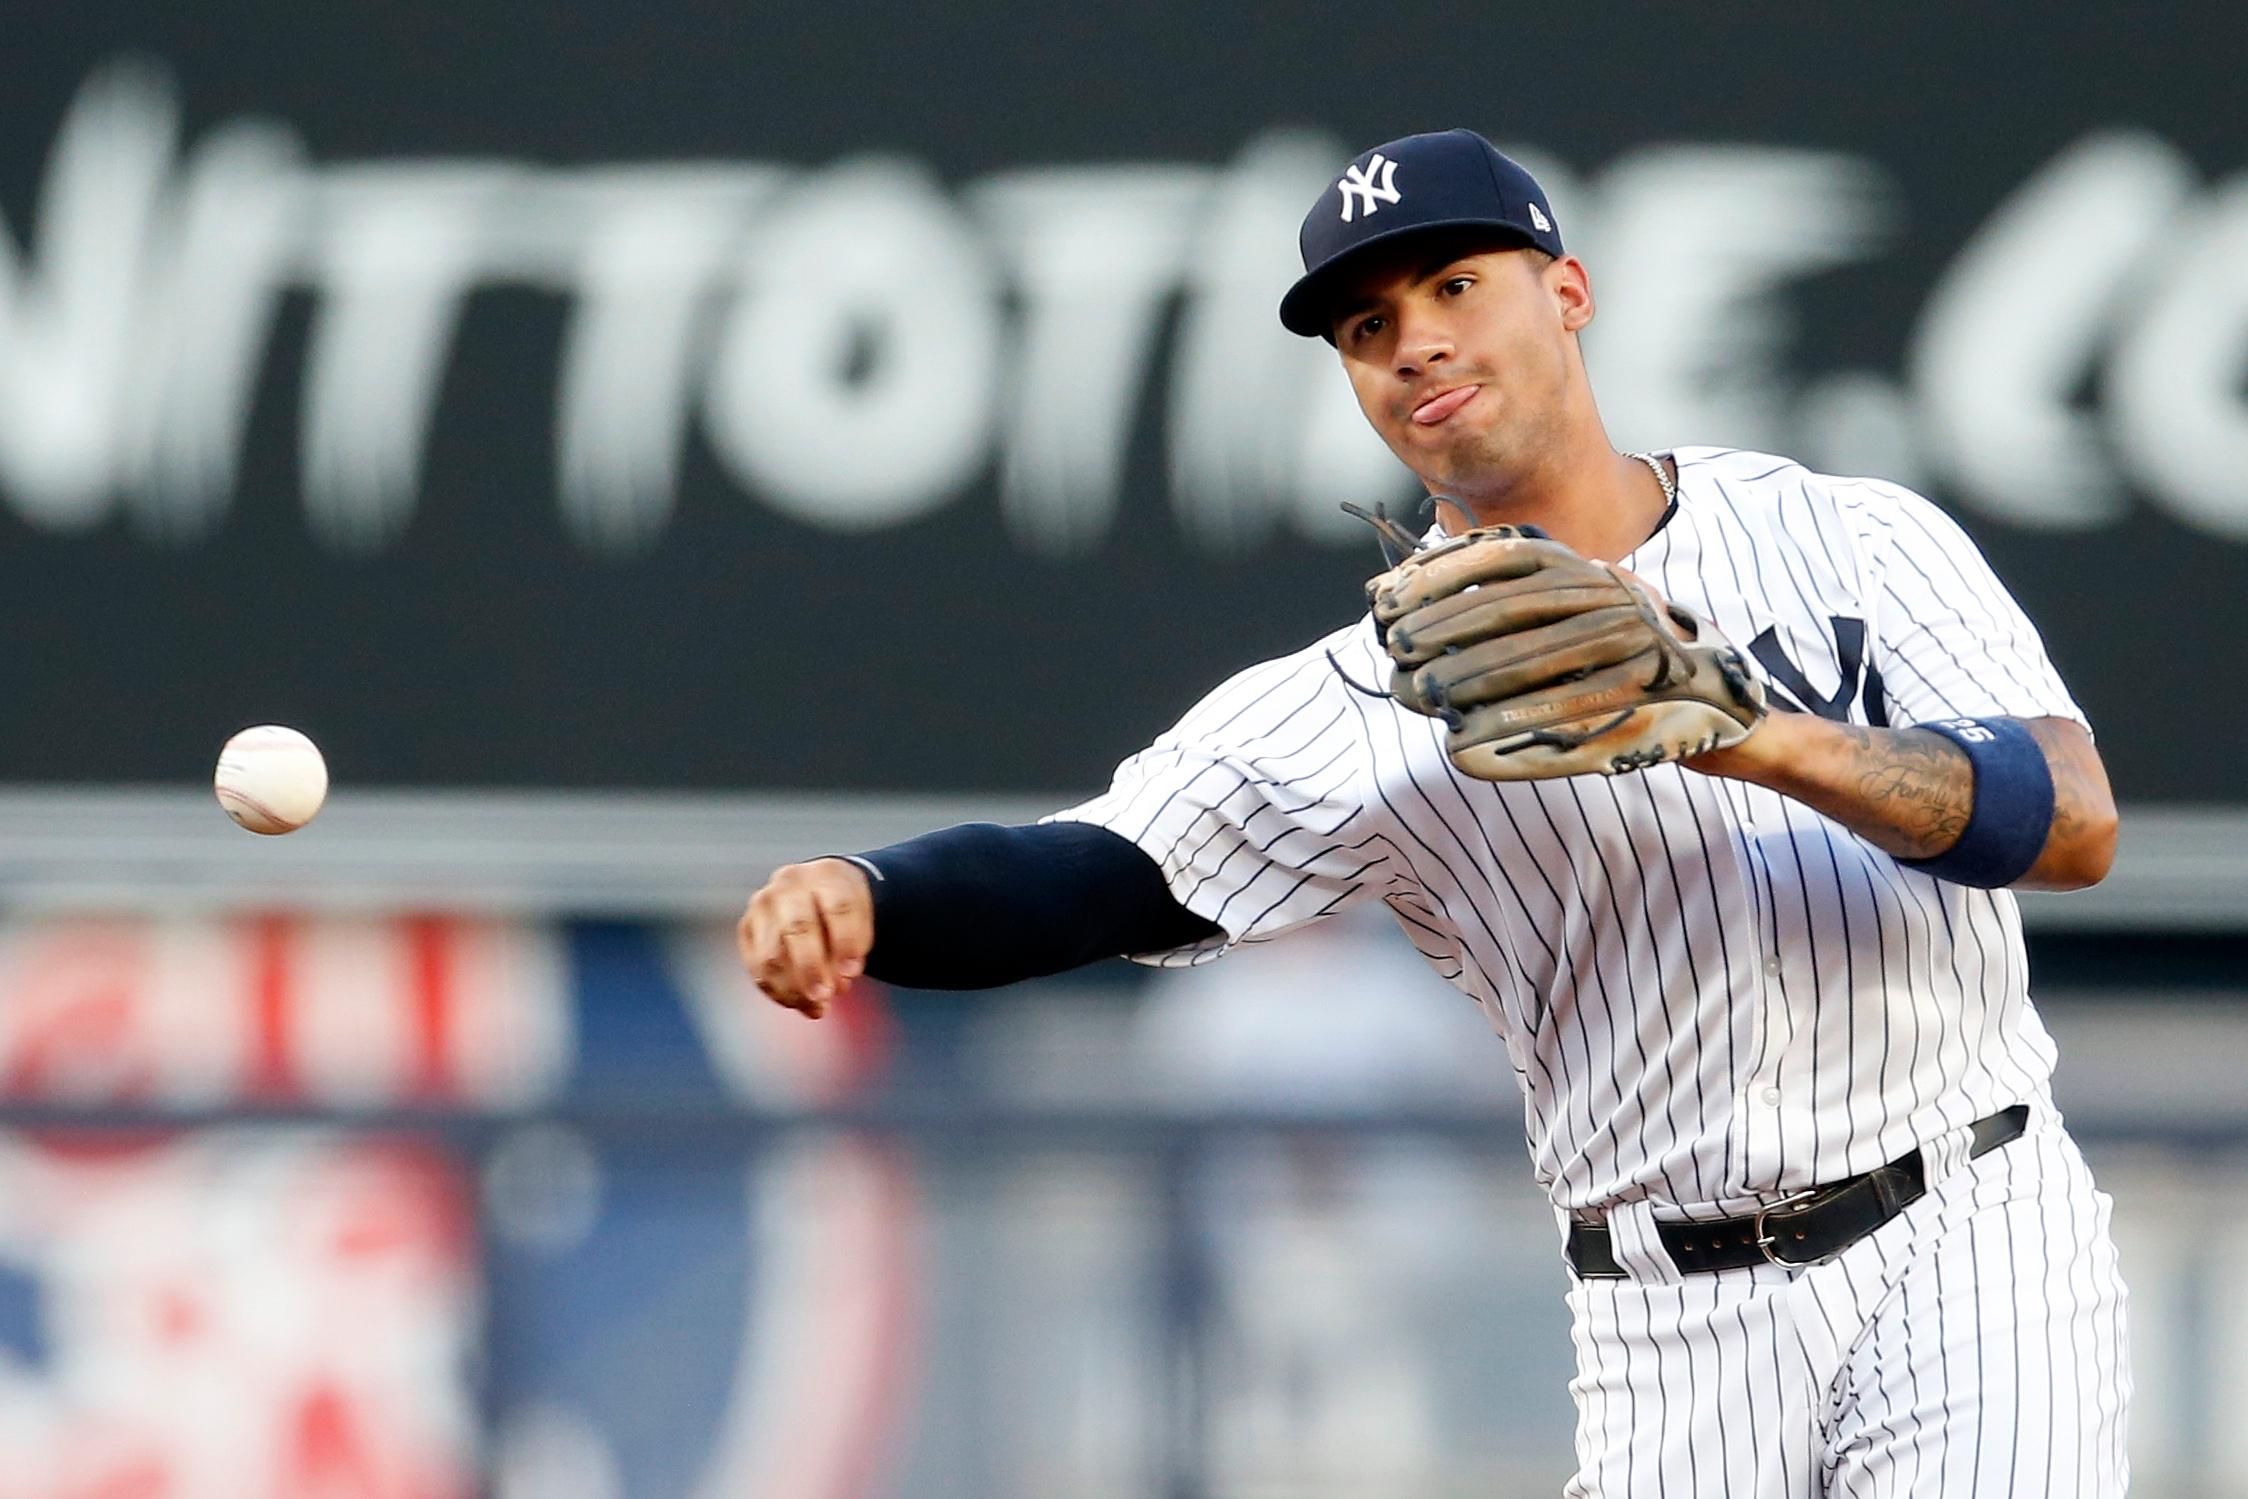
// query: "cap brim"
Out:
[1306,309]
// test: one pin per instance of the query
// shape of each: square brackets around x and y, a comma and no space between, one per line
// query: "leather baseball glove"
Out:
[1541,663]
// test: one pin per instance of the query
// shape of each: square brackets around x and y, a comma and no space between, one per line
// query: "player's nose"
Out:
[1423,343]
[1413,363]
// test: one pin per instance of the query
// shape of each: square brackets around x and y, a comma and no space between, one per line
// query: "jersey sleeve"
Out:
[1951,642]
[1250,807]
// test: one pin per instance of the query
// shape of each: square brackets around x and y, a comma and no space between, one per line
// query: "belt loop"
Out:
[1883,1180]
[1639,1249]
[1946,1154]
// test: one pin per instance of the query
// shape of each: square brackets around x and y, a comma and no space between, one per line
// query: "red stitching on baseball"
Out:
[254,805]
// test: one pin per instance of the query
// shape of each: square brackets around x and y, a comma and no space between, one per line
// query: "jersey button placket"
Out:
[1765,1085]
[1755,974]
[1761,1095]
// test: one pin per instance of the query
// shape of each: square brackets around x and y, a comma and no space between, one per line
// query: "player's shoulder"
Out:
[1768,482]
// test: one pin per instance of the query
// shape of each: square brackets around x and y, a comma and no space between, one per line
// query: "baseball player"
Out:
[1707,777]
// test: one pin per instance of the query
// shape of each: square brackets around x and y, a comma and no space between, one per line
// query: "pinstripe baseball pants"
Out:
[1972,1348]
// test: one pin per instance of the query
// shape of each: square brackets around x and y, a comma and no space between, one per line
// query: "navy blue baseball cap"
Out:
[1450,179]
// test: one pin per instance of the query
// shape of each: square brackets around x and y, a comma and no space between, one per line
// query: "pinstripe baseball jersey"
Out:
[1709,993]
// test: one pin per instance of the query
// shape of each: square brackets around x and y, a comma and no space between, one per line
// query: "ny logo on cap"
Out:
[1360,189]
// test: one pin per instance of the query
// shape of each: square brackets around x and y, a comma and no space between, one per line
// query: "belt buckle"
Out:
[1765,1240]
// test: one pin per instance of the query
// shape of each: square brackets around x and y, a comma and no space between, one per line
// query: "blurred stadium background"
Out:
[646,444]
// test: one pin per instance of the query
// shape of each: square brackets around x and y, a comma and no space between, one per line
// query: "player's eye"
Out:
[1366,327]
[1457,284]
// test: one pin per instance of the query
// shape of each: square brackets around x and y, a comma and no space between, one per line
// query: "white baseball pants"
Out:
[1974,1347]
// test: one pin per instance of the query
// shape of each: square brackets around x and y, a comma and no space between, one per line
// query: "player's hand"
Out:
[807,933]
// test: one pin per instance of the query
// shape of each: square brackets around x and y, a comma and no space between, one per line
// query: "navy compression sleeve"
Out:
[980,905]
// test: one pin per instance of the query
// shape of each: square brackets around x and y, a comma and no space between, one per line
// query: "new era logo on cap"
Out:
[1451,179]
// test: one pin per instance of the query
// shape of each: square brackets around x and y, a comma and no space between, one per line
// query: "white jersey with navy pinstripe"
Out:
[1709,993]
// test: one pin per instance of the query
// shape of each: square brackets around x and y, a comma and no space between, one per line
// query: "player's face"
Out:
[1464,358]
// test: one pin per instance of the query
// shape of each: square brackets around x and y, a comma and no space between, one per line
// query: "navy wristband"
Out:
[2013,809]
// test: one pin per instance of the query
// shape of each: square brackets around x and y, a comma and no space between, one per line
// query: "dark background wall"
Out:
[437,431]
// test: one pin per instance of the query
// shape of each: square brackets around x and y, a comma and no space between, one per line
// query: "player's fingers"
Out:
[764,956]
[746,941]
[849,919]
[803,945]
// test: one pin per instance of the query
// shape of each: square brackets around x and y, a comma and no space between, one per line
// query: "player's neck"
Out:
[1598,502]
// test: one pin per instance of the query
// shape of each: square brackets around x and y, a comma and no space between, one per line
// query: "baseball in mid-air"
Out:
[271,779]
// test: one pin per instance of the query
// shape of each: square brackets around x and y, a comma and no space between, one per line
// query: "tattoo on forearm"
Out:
[1916,790]
[2073,794]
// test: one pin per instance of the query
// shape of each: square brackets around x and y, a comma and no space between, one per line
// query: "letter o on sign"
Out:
[857,377]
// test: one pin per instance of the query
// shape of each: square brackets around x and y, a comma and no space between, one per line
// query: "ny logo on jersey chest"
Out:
[1860,678]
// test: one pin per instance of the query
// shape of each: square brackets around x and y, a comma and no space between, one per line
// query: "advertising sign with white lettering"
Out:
[775,399]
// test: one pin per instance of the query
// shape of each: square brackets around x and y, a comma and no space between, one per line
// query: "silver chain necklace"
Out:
[1662,477]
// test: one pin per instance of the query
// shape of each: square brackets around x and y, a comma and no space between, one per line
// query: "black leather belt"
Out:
[1806,1229]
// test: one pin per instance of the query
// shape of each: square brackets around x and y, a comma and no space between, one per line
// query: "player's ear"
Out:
[1571,285]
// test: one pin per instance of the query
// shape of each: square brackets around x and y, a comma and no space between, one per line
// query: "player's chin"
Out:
[1445,464]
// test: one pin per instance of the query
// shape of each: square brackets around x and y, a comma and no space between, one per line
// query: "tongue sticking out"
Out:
[1429,414]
